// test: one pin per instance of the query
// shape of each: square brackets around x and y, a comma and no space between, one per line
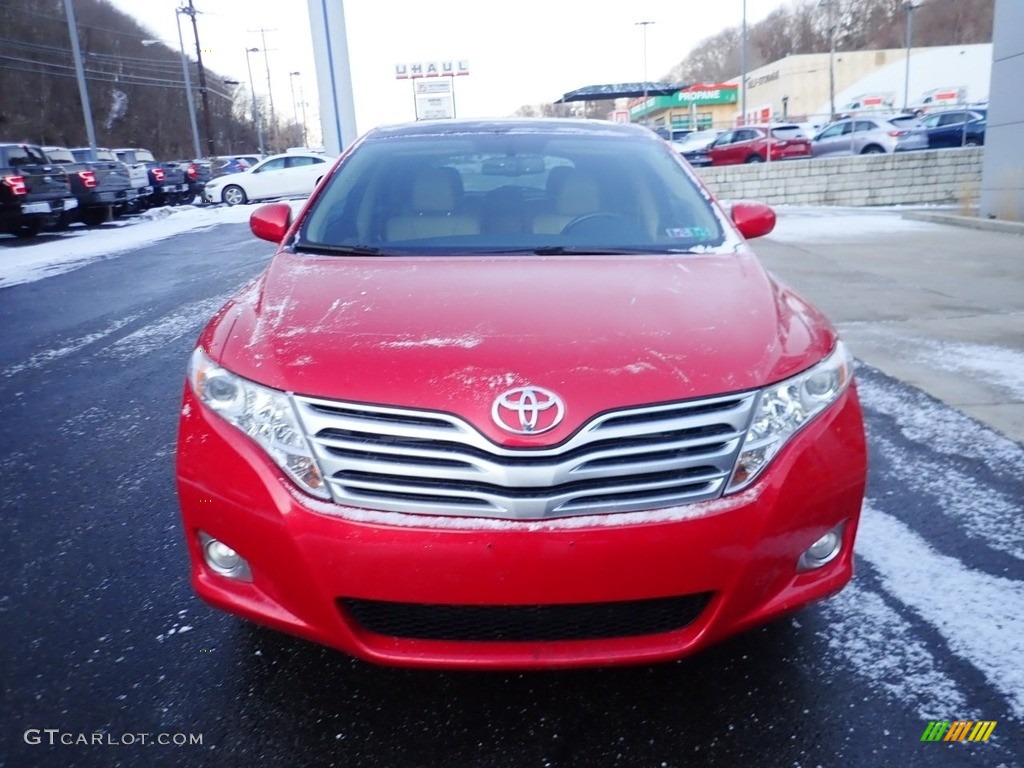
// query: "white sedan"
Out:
[293,174]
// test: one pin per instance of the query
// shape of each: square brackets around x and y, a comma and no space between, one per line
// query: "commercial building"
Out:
[804,87]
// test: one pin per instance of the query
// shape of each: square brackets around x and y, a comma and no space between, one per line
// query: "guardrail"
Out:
[941,176]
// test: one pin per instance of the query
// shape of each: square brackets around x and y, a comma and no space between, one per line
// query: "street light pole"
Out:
[255,110]
[909,7]
[291,76]
[743,67]
[644,24]
[830,4]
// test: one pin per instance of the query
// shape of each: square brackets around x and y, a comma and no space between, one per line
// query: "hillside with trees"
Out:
[136,89]
[803,27]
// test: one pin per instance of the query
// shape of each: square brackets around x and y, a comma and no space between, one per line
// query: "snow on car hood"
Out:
[451,334]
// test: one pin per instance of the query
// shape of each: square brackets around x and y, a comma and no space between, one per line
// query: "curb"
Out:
[971,222]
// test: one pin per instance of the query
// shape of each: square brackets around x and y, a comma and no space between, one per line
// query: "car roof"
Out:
[566,126]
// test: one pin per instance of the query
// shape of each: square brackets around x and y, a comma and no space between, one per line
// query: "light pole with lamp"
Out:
[743,67]
[831,57]
[644,24]
[302,98]
[909,7]
[255,110]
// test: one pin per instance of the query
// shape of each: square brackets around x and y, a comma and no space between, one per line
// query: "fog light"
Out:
[823,551]
[223,560]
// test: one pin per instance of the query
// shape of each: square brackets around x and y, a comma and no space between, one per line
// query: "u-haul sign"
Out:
[416,69]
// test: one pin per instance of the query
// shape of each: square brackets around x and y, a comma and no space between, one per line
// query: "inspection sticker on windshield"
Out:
[685,233]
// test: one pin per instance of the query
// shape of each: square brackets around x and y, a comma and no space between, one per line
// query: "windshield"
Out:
[59,156]
[787,132]
[512,192]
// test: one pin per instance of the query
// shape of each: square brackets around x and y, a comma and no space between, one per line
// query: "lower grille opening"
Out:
[526,623]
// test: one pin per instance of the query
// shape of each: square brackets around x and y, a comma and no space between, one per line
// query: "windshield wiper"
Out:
[340,250]
[586,250]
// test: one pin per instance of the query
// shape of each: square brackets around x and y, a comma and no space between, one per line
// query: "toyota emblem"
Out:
[528,410]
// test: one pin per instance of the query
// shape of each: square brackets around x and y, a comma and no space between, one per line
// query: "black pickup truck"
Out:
[170,187]
[34,193]
[137,173]
[197,173]
[103,188]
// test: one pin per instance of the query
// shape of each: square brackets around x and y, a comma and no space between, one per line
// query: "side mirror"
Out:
[270,222]
[752,219]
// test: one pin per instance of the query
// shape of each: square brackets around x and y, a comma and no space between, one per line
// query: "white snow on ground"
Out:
[77,248]
[923,420]
[880,645]
[797,224]
[982,511]
[186,320]
[999,366]
[981,617]
[45,357]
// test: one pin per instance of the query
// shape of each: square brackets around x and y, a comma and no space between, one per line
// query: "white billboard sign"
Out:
[418,69]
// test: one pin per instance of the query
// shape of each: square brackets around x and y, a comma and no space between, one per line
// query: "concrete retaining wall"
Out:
[946,176]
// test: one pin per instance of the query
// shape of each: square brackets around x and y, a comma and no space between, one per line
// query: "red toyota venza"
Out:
[517,394]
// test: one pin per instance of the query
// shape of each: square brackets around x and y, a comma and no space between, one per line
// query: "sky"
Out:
[525,52]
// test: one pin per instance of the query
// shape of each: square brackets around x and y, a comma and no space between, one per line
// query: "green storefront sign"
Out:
[653,104]
[705,97]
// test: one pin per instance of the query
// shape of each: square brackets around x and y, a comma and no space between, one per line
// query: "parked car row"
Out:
[53,187]
[861,135]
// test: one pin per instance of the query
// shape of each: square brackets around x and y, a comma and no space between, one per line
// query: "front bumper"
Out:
[315,567]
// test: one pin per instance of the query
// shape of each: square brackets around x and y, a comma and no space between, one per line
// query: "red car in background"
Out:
[760,143]
[517,393]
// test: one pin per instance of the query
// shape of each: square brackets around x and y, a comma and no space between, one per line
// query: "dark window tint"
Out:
[787,132]
[60,156]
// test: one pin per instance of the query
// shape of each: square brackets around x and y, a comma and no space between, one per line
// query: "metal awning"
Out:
[621,90]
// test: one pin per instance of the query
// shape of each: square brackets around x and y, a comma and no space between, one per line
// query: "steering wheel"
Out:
[597,218]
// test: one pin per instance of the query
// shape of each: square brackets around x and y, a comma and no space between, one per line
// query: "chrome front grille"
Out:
[398,460]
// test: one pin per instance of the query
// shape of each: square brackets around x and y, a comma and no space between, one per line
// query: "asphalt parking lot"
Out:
[937,306]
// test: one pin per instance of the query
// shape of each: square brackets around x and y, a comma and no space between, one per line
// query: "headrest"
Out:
[436,190]
[556,178]
[579,194]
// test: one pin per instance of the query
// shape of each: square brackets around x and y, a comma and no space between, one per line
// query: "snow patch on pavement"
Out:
[881,646]
[56,255]
[71,346]
[826,225]
[922,419]
[998,365]
[189,319]
[982,511]
[981,617]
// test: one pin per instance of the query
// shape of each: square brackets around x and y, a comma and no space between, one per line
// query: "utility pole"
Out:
[644,24]
[76,51]
[207,124]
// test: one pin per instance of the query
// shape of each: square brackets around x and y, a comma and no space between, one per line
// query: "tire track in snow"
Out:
[880,645]
[189,319]
[980,616]
[982,511]
[41,359]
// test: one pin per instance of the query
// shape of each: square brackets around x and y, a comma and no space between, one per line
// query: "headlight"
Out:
[265,415]
[786,407]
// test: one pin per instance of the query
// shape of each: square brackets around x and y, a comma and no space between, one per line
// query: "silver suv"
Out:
[869,135]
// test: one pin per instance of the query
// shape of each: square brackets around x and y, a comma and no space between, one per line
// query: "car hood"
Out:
[451,334]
